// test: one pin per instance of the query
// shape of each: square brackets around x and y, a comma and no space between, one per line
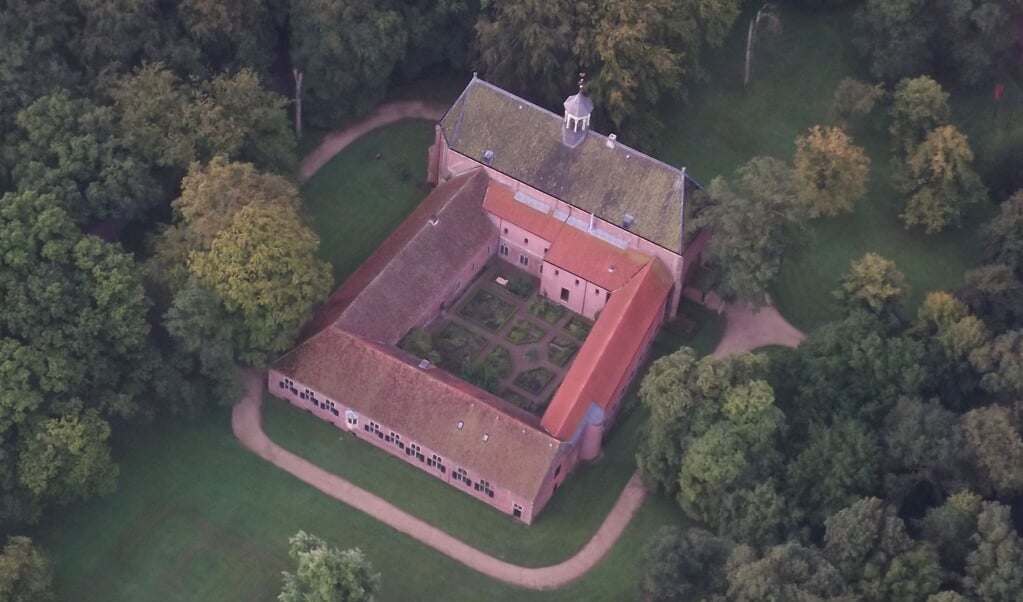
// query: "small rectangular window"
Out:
[527,241]
[506,230]
[564,294]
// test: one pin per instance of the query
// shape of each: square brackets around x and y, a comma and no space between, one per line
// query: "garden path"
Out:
[246,422]
[748,327]
[385,114]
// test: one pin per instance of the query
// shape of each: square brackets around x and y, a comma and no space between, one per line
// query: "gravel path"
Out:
[385,114]
[246,421]
[747,328]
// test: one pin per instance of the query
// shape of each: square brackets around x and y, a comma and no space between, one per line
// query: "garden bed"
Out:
[579,327]
[534,380]
[546,310]
[487,309]
[521,285]
[561,349]
[457,345]
[523,332]
[518,399]
[500,359]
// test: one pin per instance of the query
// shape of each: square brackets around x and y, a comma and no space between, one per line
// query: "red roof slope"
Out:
[395,242]
[501,202]
[426,406]
[604,359]
[593,259]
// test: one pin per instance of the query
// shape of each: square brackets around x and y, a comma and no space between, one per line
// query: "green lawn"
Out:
[566,523]
[357,199]
[723,126]
[198,517]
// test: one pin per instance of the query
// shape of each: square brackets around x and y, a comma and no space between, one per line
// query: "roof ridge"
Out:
[589,131]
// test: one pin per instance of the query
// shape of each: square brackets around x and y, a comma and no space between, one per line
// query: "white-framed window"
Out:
[351,418]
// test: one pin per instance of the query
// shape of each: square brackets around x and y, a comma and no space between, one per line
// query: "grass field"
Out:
[198,517]
[356,199]
[723,126]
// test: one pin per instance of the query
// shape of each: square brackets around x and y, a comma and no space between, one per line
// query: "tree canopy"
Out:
[327,574]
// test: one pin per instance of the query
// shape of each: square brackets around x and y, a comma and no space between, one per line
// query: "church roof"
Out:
[427,406]
[526,143]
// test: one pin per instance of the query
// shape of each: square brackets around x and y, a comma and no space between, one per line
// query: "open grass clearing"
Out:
[723,126]
[356,199]
[198,517]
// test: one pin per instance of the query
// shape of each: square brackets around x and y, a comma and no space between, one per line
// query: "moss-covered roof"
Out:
[527,145]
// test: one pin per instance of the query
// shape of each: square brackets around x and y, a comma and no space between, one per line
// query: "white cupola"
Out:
[578,108]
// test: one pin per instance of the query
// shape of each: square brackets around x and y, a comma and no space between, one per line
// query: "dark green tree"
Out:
[25,574]
[994,294]
[1002,237]
[868,543]
[838,464]
[922,444]
[786,572]
[367,37]
[758,222]
[919,106]
[994,569]
[994,449]
[71,148]
[950,526]
[678,565]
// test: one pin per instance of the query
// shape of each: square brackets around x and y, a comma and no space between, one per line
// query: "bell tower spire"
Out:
[578,109]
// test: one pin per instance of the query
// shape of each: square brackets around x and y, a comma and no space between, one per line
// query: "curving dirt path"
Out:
[747,328]
[385,114]
[246,422]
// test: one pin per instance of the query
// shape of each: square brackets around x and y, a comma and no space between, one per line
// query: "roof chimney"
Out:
[424,364]
[611,140]
[488,157]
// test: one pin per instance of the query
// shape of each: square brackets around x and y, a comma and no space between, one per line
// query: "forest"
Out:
[153,238]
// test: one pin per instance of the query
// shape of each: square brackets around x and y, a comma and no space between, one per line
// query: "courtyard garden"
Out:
[487,309]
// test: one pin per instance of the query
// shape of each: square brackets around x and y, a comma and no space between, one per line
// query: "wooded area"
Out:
[152,237]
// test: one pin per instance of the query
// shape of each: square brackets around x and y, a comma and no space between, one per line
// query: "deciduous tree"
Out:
[894,35]
[994,569]
[758,223]
[786,572]
[365,36]
[25,574]
[832,171]
[994,448]
[678,564]
[263,267]
[867,542]
[994,294]
[920,106]
[950,526]
[839,464]
[327,574]
[922,444]
[939,180]
[1002,237]
[873,283]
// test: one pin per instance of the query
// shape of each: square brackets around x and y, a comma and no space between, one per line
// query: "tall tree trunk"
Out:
[298,102]
[751,36]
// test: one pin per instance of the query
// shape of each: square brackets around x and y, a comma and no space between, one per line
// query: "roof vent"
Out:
[488,157]
[433,220]
[424,364]
[460,425]
[486,437]
[627,220]
[611,140]
[611,268]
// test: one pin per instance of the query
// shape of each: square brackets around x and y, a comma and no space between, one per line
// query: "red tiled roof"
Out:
[395,242]
[591,258]
[416,277]
[501,202]
[604,359]
[426,406]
